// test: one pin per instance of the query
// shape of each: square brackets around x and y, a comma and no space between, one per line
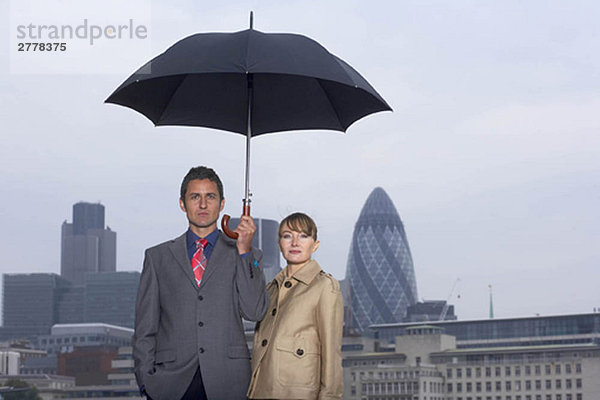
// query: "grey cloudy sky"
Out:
[491,156]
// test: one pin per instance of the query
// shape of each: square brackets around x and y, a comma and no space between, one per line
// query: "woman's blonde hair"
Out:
[299,222]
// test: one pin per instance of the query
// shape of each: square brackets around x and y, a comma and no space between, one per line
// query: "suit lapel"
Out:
[179,250]
[219,253]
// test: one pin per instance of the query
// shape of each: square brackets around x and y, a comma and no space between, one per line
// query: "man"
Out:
[189,339]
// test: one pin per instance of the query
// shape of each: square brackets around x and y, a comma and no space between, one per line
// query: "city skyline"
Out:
[491,156]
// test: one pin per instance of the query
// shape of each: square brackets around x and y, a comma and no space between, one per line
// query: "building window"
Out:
[469,387]
[538,370]
[568,383]
[518,386]
[527,370]
[578,383]
[558,384]
[478,372]
[498,371]
[548,369]
[507,386]
[527,385]
[538,384]
[569,396]
[458,372]
[459,387]
[578,368]
[478,387]
[518,370]
[488,371]
[498,386]
[559,396]
[557,368]
[507,371]
[449,388]
[579,396]
[548,384]
[468,371]
[449,373]
[568,368]
[488,386]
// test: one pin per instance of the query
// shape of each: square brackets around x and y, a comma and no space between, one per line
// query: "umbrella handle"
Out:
[225,222]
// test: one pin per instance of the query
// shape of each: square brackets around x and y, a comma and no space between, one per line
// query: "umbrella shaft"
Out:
[248,137]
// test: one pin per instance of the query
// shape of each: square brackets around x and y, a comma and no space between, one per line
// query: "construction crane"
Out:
[447,305]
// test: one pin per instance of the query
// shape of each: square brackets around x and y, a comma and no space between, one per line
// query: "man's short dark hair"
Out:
[200,172]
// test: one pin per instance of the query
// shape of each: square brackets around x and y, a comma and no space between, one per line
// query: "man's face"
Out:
[202,206]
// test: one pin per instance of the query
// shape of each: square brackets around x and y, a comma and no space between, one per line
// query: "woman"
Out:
[297,346]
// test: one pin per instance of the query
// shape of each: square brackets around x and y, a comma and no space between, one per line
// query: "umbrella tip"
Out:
[251,19]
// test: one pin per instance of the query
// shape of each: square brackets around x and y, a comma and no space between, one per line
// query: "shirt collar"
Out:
[191,237]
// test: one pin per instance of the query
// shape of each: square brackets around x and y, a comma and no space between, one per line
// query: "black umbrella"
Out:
[251,83]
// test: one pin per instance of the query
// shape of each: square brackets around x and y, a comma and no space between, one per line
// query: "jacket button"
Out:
[264,342]
[200,323]
[200,297]
[201,350]
[299,352]
[274,311]
[288,284]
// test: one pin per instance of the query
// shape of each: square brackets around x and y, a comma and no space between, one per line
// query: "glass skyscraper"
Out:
[380,267]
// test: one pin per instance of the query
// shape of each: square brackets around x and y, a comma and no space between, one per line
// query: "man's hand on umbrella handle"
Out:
[245,231]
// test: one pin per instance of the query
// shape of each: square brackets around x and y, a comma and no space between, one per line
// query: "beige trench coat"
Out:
[297,346]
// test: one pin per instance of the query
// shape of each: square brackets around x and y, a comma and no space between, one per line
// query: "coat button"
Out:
[201,350]
[274,312]
[200,323]
[200,297]
[299,352]
[288,284]
[264,342]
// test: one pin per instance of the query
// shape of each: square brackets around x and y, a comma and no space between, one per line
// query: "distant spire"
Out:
[491,303]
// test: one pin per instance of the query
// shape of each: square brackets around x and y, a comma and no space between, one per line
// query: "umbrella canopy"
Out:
[204,79]
[251,83]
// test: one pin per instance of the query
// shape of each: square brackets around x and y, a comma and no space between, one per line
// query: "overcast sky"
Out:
[491,156]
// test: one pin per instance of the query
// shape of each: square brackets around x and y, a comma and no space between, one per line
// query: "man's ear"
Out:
[182,205]
[222,204]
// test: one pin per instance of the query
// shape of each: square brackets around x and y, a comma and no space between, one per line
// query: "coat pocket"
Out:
[238,352]
[164,356]
[298,361]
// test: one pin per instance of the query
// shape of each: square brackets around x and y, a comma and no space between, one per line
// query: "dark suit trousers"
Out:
[196,389]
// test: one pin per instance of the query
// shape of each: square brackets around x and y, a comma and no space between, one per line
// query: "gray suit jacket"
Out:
[179,326]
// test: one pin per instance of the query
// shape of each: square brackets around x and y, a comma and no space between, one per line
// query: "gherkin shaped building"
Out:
[380,268]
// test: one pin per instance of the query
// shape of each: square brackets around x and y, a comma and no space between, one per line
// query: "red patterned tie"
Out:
[199,260]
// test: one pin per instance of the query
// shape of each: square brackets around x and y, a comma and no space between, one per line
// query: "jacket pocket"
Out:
[164,356]
[238,352]
[298,361]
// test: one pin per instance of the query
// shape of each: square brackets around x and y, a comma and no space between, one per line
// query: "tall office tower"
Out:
[266,238]
[380,267]
[30,304]
[87,246]
[110,298]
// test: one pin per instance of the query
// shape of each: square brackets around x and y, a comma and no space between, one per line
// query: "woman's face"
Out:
[296,247]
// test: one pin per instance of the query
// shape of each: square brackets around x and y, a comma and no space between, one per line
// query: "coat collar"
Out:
[305,274]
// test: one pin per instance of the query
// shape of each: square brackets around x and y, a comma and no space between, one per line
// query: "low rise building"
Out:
[427,365]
